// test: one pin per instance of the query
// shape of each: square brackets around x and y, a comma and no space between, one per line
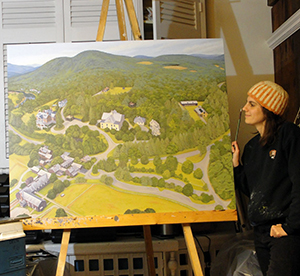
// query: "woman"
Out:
[269,174]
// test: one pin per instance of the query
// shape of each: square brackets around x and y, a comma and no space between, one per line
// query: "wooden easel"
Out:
[121,20]
[189,239]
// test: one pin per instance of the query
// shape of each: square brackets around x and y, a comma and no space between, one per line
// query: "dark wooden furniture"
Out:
[287,54]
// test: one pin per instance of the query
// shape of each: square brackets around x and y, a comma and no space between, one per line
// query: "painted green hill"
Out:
[95,63]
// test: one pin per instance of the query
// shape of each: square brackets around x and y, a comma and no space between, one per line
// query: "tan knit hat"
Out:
[270,95]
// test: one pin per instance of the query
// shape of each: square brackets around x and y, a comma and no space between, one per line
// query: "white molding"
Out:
[288,28]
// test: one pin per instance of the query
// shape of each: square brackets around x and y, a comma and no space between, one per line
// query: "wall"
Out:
[245,26]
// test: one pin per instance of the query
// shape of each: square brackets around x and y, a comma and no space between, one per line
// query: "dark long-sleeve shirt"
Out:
[270,176]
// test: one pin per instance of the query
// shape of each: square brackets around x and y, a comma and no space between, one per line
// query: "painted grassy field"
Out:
[14,97]
[17,165]
[72,193]
[12,196]
[198,184]
[104,200]
[191,111]
[119,90]
[50,214]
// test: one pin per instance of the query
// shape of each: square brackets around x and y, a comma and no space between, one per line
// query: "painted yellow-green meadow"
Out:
[100,199]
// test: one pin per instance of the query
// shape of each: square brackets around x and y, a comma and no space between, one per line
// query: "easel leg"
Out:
[63,252]
[121,20]
[102,22]
[133,20]
[149,250]
[193,254]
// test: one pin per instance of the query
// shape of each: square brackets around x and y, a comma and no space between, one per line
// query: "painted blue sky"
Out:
[38,54]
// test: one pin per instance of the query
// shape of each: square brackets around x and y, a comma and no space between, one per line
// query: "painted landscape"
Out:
[98,132]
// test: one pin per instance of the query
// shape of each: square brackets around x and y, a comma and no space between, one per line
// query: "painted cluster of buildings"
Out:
[45,118]
[27,196]
[67,167]
[45,156]
[35,90]
[114,120]
[198,109]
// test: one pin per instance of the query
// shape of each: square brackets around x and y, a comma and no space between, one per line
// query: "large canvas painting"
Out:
[118,128]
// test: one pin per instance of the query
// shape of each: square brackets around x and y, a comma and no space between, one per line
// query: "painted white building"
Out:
[155,127]
[200,111]
[112,120]
[62,103]
[139,120]
[45,118]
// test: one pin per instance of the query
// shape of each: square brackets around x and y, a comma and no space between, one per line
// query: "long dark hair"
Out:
[273,123]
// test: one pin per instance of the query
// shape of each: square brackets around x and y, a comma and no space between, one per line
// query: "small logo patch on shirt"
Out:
[272,154]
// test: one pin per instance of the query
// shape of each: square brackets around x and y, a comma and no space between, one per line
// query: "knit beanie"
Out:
[270,95]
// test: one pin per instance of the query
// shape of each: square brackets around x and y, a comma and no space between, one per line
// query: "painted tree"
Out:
[60,212]
[198,173]
[187,167]
[188,189]
[59,120]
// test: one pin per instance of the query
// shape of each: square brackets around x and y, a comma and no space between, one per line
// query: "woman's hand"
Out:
[277,231]
[235,153]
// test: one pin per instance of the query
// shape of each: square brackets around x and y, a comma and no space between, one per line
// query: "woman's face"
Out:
[254,114]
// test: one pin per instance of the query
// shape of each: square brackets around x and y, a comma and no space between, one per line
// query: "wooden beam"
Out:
[133,20]
[193,254]
[149,250]
[63,252]
[272,2]
[121,20]
[102,21]
[126,220]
